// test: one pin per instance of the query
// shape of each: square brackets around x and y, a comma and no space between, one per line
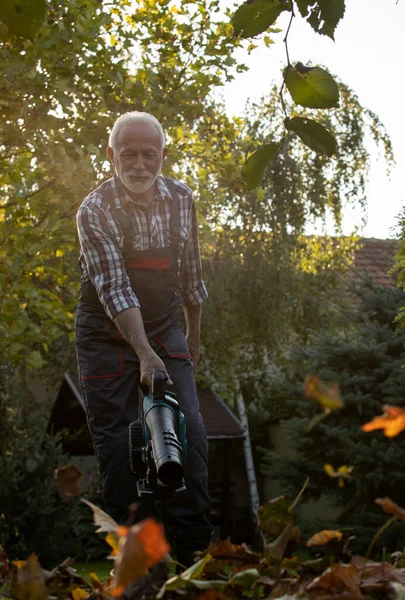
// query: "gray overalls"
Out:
[109,378]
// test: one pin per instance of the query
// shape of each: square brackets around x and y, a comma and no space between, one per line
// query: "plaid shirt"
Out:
[101,241]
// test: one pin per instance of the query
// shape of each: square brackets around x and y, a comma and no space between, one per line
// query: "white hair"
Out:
[134,117]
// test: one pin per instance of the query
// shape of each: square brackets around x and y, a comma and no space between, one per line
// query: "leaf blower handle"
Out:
[159,379]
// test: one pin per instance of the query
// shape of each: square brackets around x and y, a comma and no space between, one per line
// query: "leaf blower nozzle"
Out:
[157,442]
[167,450]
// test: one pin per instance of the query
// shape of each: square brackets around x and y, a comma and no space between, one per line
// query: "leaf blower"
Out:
[157,442]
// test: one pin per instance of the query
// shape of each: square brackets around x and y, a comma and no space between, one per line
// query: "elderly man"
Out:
[140,261]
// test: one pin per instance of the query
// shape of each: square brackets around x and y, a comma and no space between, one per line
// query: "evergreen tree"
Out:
[366,359]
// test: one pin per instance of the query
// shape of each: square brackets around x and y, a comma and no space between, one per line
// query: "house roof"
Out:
[68,416]
[375,258]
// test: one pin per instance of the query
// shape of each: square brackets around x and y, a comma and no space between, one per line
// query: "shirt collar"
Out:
[121,196]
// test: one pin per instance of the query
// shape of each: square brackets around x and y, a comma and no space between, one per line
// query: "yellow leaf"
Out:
[78,593]
[112,540]
[59,253]
[326,394]
[323,537]
[95,582]
[343,471]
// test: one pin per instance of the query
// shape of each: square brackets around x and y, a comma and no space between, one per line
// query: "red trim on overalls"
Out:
[149,263]
[171,355]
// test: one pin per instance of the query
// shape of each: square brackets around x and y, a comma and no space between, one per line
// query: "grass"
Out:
[102,569]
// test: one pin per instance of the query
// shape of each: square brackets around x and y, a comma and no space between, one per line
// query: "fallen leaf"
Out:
[95,582]
[275,550]
[67,481]
[326,394]
[28,581]
[225,550]
[324,537]
[4,567]
[211,595]
[339,578]
[390,507]
[274,515]
[143,546]
[79,593]
[101,518]
[392,421]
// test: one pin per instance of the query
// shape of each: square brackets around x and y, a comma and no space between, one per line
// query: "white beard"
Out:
[137,187]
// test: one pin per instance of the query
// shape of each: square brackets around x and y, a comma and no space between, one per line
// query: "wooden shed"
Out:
[231,514]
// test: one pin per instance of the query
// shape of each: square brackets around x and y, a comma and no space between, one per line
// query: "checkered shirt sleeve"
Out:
[98,238]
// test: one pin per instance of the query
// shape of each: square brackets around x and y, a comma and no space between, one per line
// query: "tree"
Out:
[366,360]
[269,283]
[60,93]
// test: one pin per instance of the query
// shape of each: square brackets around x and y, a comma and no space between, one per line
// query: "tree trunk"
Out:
[247,448]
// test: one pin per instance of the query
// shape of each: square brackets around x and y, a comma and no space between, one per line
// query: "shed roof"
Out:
[68,416]
[375,258]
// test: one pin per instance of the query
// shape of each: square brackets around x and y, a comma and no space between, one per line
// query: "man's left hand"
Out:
[193,343]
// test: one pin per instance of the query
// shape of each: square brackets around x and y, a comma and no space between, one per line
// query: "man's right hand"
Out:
[151,362]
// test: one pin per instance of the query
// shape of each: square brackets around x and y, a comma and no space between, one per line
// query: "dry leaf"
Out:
[112,539]
[275,550]
[28,581]
[225,550]
[343,472]
[67,481]
[79,593]
[211,595]
[339,578]
[392,421]
[101,518]
[326,394]
[390,507]
[95,582]
[323,537]
[143,546]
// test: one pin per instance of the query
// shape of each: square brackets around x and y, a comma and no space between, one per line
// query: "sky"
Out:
[368,55]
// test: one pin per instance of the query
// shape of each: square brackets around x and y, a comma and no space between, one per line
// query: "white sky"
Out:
[369,56]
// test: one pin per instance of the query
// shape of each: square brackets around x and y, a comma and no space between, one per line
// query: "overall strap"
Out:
[175,223]
[127,232]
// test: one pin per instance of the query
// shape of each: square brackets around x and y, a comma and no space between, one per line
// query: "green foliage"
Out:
[366,361]
[253,169]
[33,518]
[58,96]
[268,283]
[311,87]
[315,135]
[253,18]
[23,18]
[322,15]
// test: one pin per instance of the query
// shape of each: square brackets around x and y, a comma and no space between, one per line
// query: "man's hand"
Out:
[130,324]
[193,343]
[150,362]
